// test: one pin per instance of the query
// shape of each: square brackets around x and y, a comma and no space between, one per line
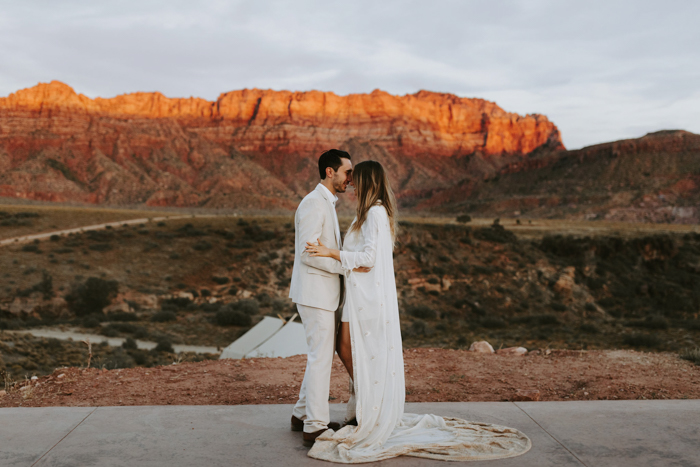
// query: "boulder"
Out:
[565,284]
[481,347]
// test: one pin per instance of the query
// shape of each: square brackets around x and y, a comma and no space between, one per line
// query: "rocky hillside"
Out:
[249,149]
[655,178]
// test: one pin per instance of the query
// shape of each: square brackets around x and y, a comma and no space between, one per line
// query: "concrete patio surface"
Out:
[589,433]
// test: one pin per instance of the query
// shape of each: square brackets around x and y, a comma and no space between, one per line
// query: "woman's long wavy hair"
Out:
[372,186]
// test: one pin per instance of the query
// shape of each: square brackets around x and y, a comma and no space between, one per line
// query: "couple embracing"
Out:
[354,281]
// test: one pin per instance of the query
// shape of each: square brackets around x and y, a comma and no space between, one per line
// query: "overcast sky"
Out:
[600,70]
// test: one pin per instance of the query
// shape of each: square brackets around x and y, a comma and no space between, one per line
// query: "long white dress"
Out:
[383,429]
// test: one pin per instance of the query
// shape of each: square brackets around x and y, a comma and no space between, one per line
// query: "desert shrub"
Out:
[248,306]
[52,344]
[421,312]
[589,328]
[482,270]
[233,290]
[175,303]
[462,341]
[590,307]
[174,256]
[100,247]
[188,230]
[202,246]
[91,296]
[109,331]
[221,280]
[558,306]
[464,218]
[163,316]
[546,320]
[63,250]
[141,333]
[122,316]
[55,238]
[440,271]
[126,327]
[229,317]
[31,248]
[129,344]
[90,322]
[641,340]
[491,322]
[45,286]
[205,292]
[691,325]
[278,305]
[651,322]
[258,234]
[496,234]
[692,355]
[433,280]
[542,320]
[7,324]
[164,345]
[140,356]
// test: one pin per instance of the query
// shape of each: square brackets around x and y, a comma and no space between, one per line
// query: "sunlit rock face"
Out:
[249,149]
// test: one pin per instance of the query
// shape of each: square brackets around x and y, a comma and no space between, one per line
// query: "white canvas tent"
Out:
[271,337]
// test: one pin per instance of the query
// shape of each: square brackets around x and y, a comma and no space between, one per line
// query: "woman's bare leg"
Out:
[344,347]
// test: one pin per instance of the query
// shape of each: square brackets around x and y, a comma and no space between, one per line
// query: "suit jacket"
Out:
[316,281]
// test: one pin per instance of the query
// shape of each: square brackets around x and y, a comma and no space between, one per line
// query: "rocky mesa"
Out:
[249,149]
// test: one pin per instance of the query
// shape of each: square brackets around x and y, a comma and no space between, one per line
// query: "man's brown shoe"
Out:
[310,438]
[298,424]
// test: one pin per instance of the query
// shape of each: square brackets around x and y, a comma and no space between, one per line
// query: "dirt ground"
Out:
[437,375]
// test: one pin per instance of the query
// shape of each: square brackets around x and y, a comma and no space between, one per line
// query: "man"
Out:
[316,290]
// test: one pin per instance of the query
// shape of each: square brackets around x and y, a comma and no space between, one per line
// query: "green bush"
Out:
[464,218]
[221,280]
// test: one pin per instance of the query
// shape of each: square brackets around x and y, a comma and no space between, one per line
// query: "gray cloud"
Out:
[601,70]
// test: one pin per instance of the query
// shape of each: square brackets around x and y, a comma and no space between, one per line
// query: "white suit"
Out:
[316,289]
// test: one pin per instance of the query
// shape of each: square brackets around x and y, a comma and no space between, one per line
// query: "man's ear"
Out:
[330,172]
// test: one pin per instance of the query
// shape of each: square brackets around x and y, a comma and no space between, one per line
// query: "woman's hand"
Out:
[319,250]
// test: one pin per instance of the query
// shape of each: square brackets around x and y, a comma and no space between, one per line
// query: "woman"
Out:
[371,333]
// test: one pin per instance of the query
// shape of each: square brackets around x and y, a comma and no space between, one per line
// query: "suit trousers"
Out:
[312,406]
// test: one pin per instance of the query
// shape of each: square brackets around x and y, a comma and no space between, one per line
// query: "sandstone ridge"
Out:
[442,124]
[249,149]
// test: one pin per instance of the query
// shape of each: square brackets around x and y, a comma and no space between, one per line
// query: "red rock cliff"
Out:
[173,146]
